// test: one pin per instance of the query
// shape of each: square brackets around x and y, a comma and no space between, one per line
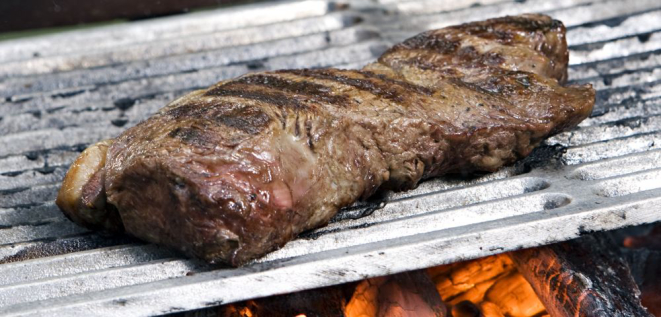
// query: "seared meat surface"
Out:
[232,172]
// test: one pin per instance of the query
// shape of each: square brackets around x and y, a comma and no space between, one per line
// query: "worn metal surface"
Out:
[64,91]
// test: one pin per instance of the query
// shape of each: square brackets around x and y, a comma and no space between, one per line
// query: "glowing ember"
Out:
[245,312]
[488,286]
[402,295]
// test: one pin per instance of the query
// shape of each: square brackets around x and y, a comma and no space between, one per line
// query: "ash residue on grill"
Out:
[647,106]
[53,247]
[623,95]
[543,156]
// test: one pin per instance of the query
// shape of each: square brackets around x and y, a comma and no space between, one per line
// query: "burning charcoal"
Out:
[491,282]
[490,309]
[405,294]
[475,294]
[582,277]
[469,280]
[364,300]
[514,296]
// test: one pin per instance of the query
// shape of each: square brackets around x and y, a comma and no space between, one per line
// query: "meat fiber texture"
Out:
[232,172]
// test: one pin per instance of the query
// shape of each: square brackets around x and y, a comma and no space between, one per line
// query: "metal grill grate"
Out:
[62,92]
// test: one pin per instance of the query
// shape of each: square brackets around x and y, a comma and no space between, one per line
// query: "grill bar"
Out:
[603,175]
[110,38]
[419,251]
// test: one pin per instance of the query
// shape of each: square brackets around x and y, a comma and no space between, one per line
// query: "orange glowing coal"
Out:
[489,287]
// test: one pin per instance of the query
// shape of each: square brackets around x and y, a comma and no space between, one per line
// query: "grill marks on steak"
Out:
[529,43]
[234,171]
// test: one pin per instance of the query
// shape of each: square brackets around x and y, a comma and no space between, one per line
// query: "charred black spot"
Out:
[192,136]
[255,65]
[250,120]
[185,111]
[642,38]
[32,155]
[44,170]
[120,122]
[308,131]
[544,155]
[124,103]
[608,80]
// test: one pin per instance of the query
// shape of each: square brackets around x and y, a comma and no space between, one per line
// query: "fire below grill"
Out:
[62,92]
[587,276]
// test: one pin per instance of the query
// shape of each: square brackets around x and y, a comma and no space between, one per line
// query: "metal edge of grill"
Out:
[600,176]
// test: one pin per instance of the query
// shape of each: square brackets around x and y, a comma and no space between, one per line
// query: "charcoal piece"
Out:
[582,277]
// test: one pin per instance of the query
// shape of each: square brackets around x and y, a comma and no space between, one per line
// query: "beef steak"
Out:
[234,171]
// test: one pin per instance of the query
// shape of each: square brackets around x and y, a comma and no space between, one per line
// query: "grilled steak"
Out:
[232,172]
